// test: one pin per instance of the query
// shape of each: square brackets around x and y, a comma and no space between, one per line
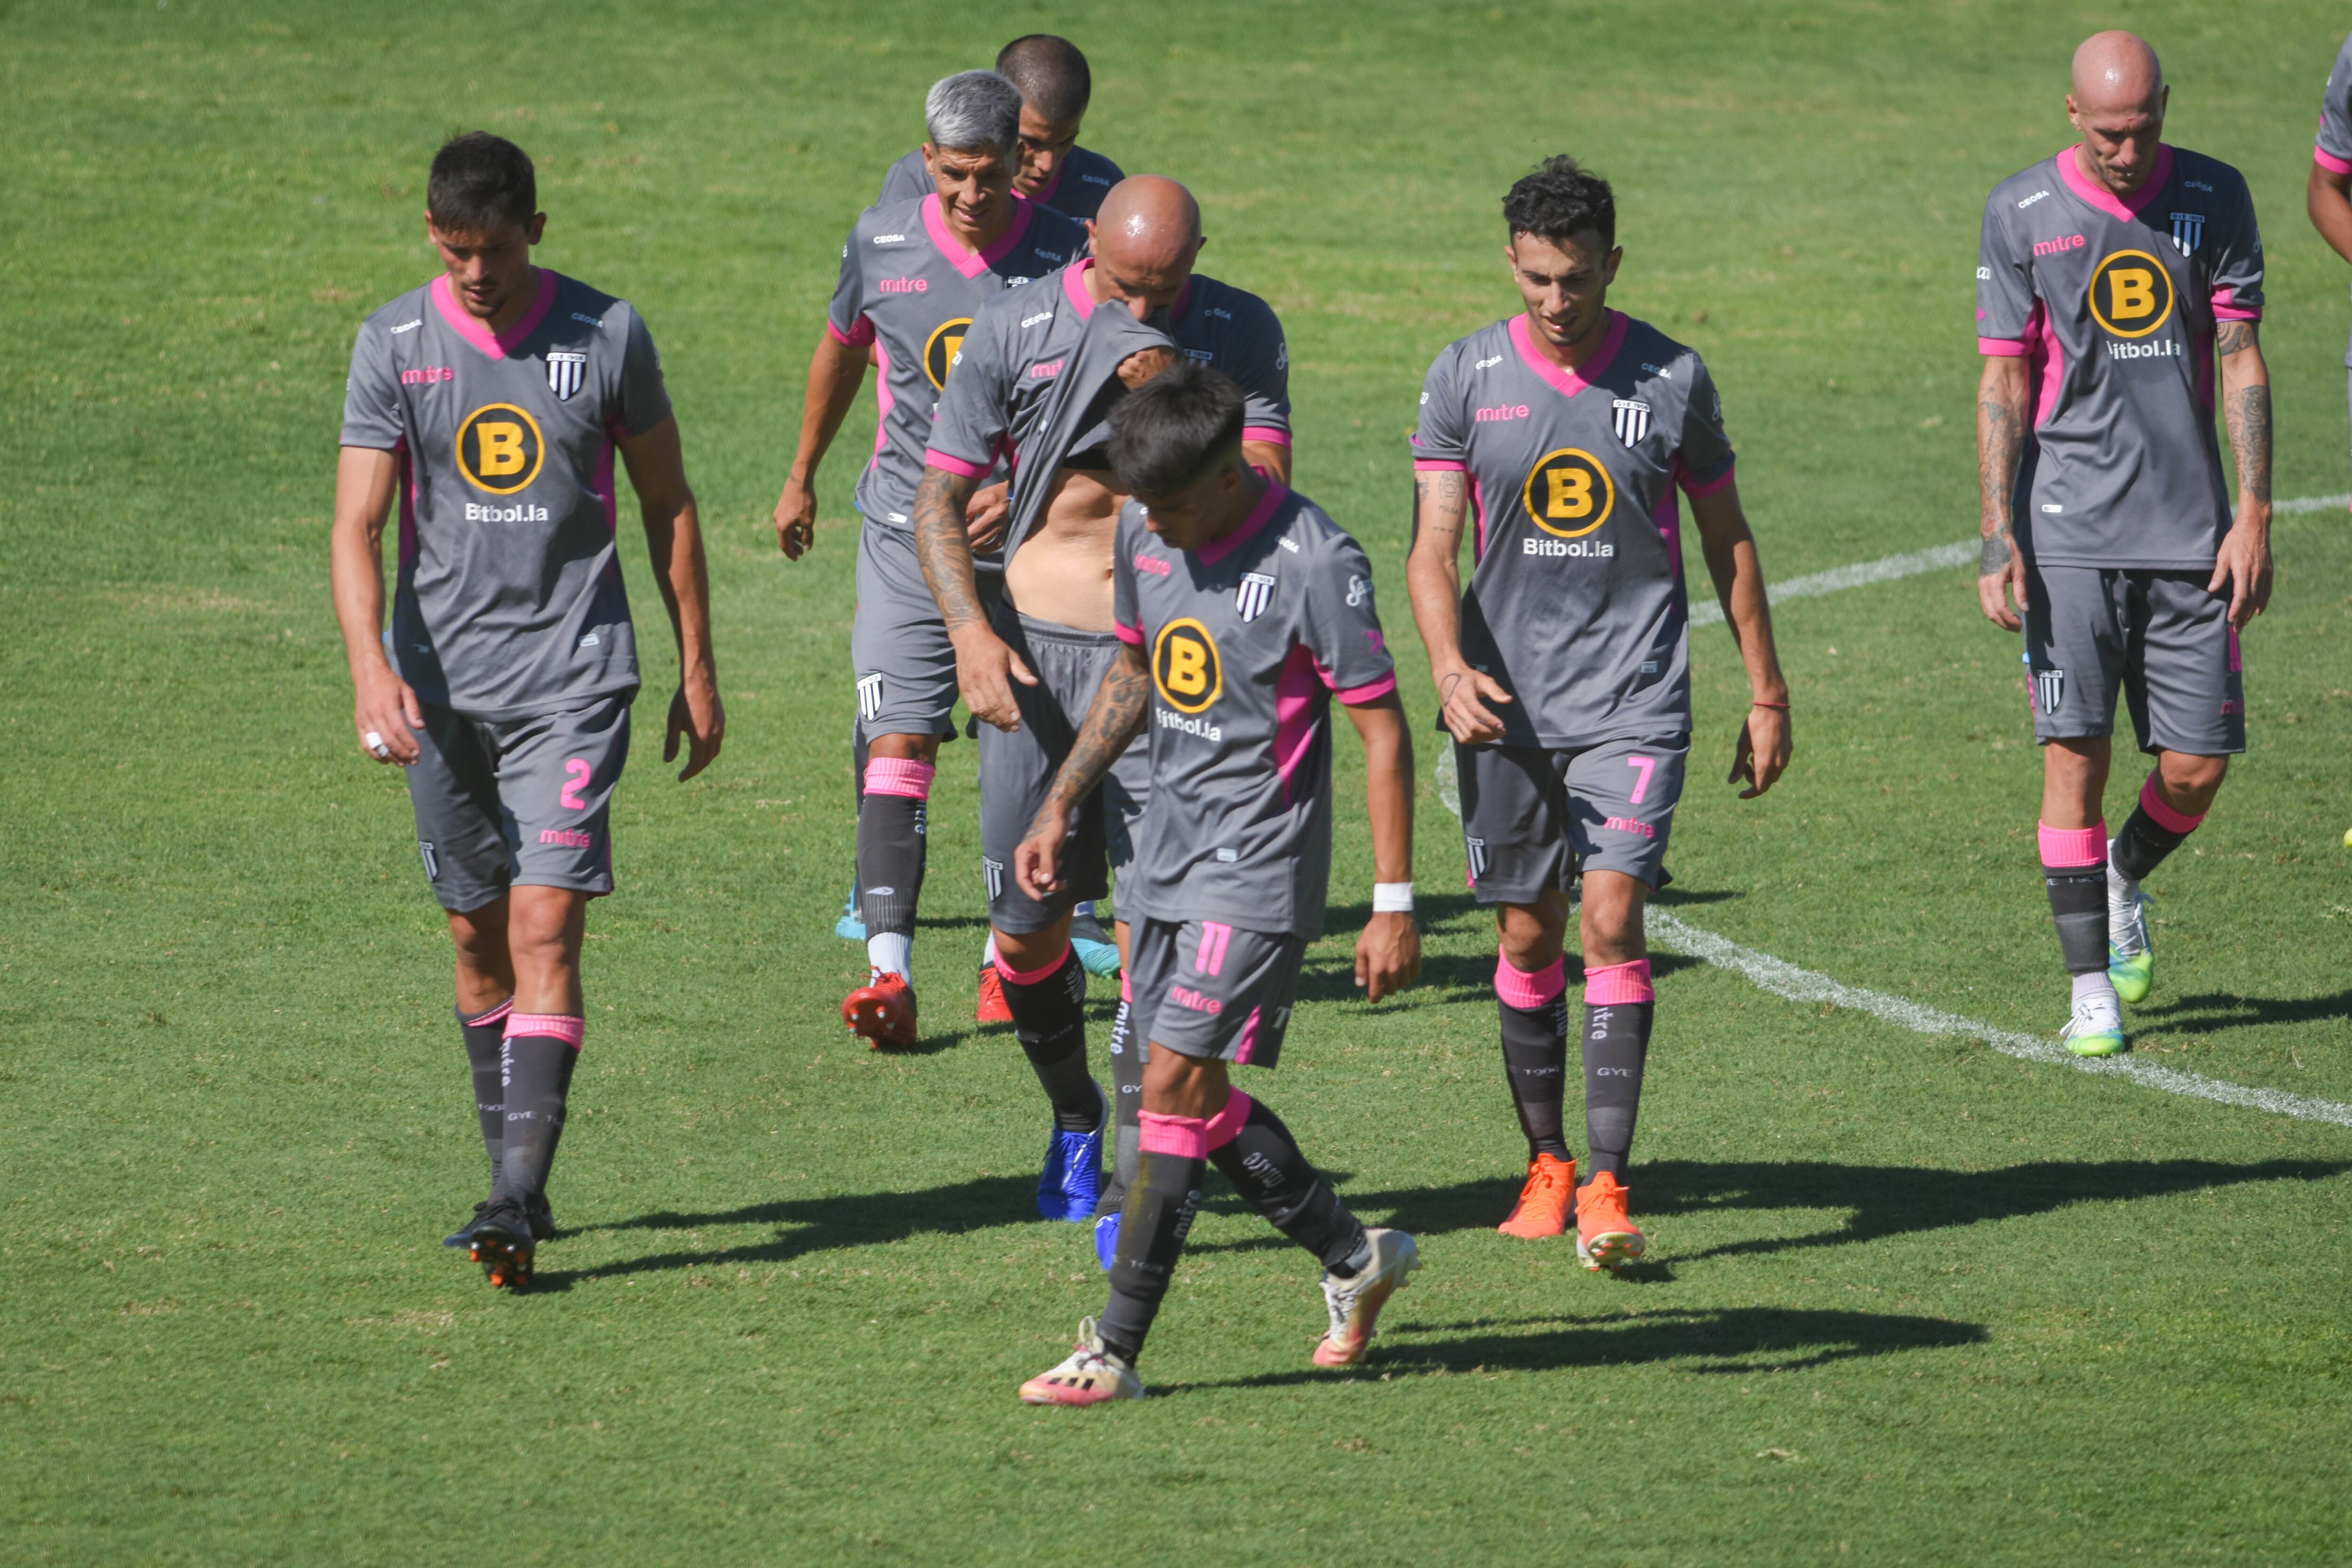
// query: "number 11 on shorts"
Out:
[1643,767]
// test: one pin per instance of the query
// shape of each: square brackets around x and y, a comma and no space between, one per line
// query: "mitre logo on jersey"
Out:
[1185,667]
[1569,493]
[567,372]
[500,449]
[946,347]
[2131,294]
[1254,594]
[2187,231]
[1629,418]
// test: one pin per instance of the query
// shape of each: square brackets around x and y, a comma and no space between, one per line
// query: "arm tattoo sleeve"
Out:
[1999,430]
[2250,438]
[1438,497]
[1115,718]
[944,548]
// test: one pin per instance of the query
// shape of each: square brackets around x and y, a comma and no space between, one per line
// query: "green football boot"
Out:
[2097,1029]
[2131,959]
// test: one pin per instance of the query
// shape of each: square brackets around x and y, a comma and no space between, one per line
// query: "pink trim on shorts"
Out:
[548,1025]
[1618,985]
[1357,696]
[2002,348]
[935,458]
[859,336]
[492,1016]
[1226,1124]
[2070,169]
[1529,988]
[1265,433]
[2330,162]
[1132,636]
[899,776]
[1245,1043]
[2064,849]
[1186,1137]
[1126,989]
[1013,976]
[2163,816]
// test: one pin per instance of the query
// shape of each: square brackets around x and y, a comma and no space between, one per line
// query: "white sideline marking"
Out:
[1784,979]
[2313,503]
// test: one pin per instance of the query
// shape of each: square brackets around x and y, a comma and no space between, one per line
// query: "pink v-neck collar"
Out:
[1569,382]
[962,258]
[1276,493]
[495,345]
[2070,169]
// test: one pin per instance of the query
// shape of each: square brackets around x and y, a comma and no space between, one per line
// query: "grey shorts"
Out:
[1212,990]
[2158,637]
[1017,770]
[1534,817]
[897,644]
[507,801]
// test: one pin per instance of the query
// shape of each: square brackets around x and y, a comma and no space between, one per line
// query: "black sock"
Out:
[1160,1203]
[539,1062]
[2144,843]
[2078,904]
[1127,1059]
[1265,1165]
[892,844]
[1535,1061]
[1049,1019]
[485,1042]
[1616,1049]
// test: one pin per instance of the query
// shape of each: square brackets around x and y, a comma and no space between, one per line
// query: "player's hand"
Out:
[1762,752]
[696,713]
[1994,590]
[984,517]
[1141,366]
[1465,692]
[1388,955]
[2243,562]
[385,713]
[797,518]
[1037,858]
[985,671]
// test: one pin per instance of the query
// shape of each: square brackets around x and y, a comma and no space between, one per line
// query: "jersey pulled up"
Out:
[909,289]
[509,602]
[1577,604]
[2333,150]
[1080,185]
[1248,641]
[2112,303]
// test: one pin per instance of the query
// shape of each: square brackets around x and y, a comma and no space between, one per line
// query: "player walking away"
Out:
[1054,169]
[1566,431]
[2112,278]
[492,400]
[913,276]
[2327,196]
[1040,372]
[1242,610]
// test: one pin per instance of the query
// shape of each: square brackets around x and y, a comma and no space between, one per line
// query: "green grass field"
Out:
[1912,1301]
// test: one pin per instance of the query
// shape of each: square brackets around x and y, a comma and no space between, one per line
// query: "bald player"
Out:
[1039,374]
[1056,87]
[2113,278]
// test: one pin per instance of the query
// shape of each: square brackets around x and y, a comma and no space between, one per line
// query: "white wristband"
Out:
[1392,897]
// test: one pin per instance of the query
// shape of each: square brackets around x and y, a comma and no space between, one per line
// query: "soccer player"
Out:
[1054,169]
[2327,195]
[1242,610]
[2112,276]
[1039,373]
[491,401]
[913,275]
[1564,431]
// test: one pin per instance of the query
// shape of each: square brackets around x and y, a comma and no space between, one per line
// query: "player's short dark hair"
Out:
[478,181]
[1176,428]
[1050,72]
[1560,200]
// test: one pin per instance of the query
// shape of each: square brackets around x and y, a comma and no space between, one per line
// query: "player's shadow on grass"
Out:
[1742,1341]
[1444,978]
[2211,1011]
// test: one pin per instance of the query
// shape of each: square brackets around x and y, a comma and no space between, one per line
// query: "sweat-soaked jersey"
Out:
[1007,400]
[2112,303]
[2333,151]
[1248,641]
[910,288]
[1577,604]
[509,600]
[1079,186]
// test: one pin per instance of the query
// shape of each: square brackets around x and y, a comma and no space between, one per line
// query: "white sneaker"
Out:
[2131,958]
[1092,1375]
[1356,1303]
[2097,1029]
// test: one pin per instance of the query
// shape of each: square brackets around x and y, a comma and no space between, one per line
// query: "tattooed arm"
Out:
[1113,721]
[985,667]
[2001,446]
[2243,561]
[1433,578]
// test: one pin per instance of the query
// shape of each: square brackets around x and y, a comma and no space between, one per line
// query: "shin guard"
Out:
[2074,869]
[1160,1203]
[1049,1019]
[541,1050]
[1617,1006]
[1256,1153]
[892,842]
[1534,1009]
[2152,831]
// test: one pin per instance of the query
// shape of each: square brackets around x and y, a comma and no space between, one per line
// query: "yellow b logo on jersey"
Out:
[1185,667]
[500,449]
[1569,493]
[2131,294]
[939,355]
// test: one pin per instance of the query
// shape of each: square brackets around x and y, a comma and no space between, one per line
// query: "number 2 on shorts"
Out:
[1645,766]
[577,773]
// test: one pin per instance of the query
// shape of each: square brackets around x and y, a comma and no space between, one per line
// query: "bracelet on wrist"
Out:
[1392,897]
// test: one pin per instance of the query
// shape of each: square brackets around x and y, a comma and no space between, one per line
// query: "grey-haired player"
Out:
[1056,87]
[490,403]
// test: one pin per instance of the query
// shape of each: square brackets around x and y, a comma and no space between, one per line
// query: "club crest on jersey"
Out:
[2131,294]
[946,347]
[1185,667]
[1255,592]
[2049,689]
[567,372]
[2187,231]
[869,698]
[1568,493]
[500,449]
[1630,417]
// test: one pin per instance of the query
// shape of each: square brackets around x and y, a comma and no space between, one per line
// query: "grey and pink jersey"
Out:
[1248,641]
[1577,604]
[2112,303]
[2333,150]
[1079,186]
[1009,400]
[910,289]
[509,600]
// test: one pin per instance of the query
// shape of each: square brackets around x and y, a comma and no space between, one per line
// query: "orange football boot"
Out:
[883,1012]
[993,1007]
[1606,1236]
[1544,1202]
